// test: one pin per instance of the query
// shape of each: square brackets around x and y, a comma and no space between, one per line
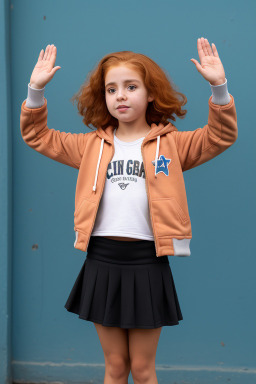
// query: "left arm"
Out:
[201,145]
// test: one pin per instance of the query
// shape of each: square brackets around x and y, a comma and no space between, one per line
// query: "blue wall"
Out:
[216,285]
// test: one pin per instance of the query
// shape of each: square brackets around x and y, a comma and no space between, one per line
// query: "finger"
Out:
[46,52]
[204,47]
[49,57]
[214,49]
[198,66]
[208,47]
[200,49]
[49,53]
[41,55]
[53,55]
[54,70]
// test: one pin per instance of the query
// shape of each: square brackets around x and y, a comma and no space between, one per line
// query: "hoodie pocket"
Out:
[169,218]
[83,215]
[79,207]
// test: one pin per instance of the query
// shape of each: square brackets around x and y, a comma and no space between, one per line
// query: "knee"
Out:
[141,370]
[117,366]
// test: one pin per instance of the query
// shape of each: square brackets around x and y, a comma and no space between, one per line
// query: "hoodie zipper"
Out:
[147,190]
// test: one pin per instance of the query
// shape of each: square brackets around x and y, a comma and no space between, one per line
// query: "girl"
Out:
[130,205]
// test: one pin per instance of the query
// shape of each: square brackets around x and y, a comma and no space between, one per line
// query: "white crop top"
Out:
[123,209]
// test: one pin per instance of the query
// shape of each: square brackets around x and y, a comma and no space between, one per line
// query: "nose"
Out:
[120,95]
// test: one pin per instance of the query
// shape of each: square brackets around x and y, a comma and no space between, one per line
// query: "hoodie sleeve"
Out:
[203,144]
[66,148]
[35,98]
[220,93]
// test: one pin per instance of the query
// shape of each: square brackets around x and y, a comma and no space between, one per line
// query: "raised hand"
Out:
[44,69]
[211,67]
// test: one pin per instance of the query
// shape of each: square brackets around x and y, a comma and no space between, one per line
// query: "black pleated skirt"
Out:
[124,284]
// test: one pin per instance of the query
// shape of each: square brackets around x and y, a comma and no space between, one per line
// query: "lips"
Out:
[122,107]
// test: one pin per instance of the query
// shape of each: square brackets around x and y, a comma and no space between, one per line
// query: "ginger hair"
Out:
[167,101]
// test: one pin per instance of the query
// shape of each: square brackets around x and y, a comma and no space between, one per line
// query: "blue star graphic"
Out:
[162,165]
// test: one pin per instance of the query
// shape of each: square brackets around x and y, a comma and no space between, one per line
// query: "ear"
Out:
[150,98]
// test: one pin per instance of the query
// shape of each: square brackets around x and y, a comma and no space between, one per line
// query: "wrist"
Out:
[35,98]
[218,82]
[34,86]
[220,94]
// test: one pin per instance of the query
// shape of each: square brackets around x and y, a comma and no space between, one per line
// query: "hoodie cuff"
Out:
[35,97]
[220,93]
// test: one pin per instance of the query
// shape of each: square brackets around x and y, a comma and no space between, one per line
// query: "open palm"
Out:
[211,67]
[44,69]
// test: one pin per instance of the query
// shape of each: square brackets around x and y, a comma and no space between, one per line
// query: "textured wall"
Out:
[216,285]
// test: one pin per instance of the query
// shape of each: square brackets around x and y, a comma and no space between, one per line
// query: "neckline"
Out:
[134,142]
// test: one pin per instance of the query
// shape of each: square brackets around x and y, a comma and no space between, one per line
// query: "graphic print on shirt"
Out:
[124,173]
[162,165]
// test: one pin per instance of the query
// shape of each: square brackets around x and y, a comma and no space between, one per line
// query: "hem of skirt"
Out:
[127,326]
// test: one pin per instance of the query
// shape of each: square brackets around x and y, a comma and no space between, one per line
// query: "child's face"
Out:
[132,93]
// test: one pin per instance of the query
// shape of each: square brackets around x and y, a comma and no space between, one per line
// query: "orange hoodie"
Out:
[91,153]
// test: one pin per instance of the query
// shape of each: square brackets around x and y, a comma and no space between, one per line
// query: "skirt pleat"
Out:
[125,285]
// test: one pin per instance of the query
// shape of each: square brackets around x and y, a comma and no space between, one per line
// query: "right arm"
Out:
[66,148]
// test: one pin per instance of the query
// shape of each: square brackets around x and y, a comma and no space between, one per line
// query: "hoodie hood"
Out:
[156,131]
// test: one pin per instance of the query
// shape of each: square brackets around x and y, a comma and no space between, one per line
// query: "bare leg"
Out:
[142,350]
[114,342]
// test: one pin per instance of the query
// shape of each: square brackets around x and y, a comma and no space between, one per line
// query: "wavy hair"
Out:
[91,101]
